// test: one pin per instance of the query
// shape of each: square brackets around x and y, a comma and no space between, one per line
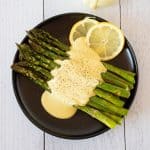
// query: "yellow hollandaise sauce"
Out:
[54,106]
[74,81]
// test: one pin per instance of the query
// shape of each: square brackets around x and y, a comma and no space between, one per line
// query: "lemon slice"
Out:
[106,39]
[81,28]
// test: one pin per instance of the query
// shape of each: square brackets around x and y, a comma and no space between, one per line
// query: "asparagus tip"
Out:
[18,46]
[29,41]
[27,31]
[12,66]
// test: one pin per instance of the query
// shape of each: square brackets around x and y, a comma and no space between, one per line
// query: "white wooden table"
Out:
[17,132]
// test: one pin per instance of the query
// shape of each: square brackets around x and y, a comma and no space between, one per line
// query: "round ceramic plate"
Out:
[29,95]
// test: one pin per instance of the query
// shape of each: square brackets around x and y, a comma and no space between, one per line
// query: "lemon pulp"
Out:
[106,39]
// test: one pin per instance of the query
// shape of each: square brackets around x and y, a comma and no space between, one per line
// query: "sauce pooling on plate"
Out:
[54,106]
[74,81]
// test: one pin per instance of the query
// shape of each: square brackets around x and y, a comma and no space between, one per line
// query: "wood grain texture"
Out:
[16,131]
[136,25]
[55,7]
[113,139]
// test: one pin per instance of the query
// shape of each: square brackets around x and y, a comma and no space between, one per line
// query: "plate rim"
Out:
[34,121]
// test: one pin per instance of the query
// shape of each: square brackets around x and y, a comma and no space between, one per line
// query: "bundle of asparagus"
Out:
[36,60]
[107,102]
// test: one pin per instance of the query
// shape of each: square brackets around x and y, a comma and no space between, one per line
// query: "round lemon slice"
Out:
[81,28]
[106,39]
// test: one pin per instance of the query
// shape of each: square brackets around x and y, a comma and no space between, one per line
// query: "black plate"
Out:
[28,94]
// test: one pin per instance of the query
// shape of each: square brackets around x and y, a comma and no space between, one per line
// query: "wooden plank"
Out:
[110,140]
[55,7]
[16,131]
[136,25]
[113,139]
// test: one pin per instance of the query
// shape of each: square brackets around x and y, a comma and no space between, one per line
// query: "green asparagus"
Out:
[35,61]
[103,105]
[39,49]
[44,72]
[116,118]
[110,79]
[114,89]
[45,36]
[109,97]
[31,75]
[98,115]
[47,46]
[25,50]
[20,56]
[129,76]
[115,77]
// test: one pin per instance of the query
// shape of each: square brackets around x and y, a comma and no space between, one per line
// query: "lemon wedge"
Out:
[106,39]
[81,28]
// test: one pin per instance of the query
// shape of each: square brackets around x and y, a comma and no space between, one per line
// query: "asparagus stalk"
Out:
[98,115]
[47,46]
[117,69]
[122,81]
[129,76]
[31,75]
[34,61]
[114,89]
[44,51]
[20,56]
[25,50]
[116,118]
[44,72]
[107,77]
[109,97]
[45,36]
[106,106]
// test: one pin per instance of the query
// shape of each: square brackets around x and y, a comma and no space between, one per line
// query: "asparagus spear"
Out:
[98,115]
[116,118]
[45,36]
[109,97]
[39,49]
[25,50]
[107,77]
[44,72]
[20,56]
[47,46]
[103,105]
[122,81]
[114,89]
[129,76]
[34,61]
[31,75]
[122,70]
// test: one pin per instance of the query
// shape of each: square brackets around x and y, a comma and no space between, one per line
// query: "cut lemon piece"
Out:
[81,28]
[106,39]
